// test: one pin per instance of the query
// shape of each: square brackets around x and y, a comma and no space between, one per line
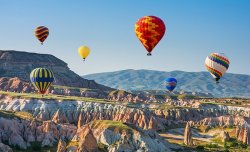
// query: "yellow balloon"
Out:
[83,52]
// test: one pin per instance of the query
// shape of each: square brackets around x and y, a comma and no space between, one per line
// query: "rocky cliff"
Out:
[20,64]
[81,112]
[15,85]
[23,133]
[62,119]
[188,140]
[119,137]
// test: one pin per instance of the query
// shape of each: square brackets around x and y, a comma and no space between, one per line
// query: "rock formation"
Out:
[15,85]
[118,137]
[224,136]
[21,133]
[5,148]
[61,146]
[237,131]
[120,95]
[59,117]
[223,121]
[87,141]
[188,135]
[86,111]
[243,134]
[80,112]
[80,121]
[20,64]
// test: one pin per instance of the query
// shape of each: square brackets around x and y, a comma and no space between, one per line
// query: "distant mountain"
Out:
[231,85]
[19,64]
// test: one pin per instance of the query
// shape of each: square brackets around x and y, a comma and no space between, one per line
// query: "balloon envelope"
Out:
[83,51]
[217,64]
[150,30]
[41,33]
[41,78]
[170,84]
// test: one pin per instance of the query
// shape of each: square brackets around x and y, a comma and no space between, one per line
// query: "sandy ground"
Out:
[178,134]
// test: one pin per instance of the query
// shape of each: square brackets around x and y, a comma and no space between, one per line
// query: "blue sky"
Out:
[194,30]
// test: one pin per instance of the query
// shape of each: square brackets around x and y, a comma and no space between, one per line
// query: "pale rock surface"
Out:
[61,147]
[22,132]
[137,140]
[243,134]
[223,121]
[87,141]
[5,148]
[59,117]
[188,135]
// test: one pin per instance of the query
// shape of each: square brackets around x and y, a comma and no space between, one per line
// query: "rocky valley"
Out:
[115,126]
[80,115]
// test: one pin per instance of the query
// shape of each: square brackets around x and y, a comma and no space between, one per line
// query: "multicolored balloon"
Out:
[149,30]
[170,84]
[217,64]
[83,52]
[41,78]
[41,33]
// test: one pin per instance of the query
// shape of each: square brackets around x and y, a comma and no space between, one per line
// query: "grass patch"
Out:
[228,129]
[217,140]
[18,115]
[72,88]
[102,147]
[24,115]
[118,92]
[43,149]
[114,125]
[54,97]
[72,143]
[175,141]
[203,128]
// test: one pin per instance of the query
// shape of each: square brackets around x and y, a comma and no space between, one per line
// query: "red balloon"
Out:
[150,30]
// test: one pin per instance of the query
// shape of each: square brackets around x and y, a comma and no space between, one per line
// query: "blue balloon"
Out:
[170,84]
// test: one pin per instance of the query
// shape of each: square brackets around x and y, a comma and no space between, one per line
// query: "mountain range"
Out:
[231,85]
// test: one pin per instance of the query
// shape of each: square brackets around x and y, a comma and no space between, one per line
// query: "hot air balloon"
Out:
[41,78]
[41,33]
[83,52]
[149,30]
[217,64]
[170,84]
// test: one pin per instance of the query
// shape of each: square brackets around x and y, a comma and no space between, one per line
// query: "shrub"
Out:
[213,145]
[226,150]
[200,147]
[36,146]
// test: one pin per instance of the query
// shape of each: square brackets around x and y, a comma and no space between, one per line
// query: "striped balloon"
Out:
[170,84]
[41,33]
[41,78]
[217,64]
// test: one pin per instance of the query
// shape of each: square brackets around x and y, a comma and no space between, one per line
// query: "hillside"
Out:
[20,64]
[230,85]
